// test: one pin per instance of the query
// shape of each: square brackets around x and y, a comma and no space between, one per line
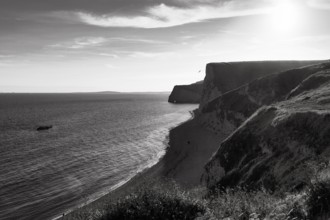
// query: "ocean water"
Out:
[97,142]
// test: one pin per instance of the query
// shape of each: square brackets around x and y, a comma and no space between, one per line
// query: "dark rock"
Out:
[44,127]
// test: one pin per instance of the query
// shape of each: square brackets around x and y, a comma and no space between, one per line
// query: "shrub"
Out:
[239,204]
[155,203]
[318,202]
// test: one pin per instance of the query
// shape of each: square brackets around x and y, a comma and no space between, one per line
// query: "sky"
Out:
[149,45]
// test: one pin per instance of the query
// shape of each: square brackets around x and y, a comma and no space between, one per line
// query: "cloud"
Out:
[111,55]
[136,40]
[320,4]
[5,56]
[87,42]
[80,43]
[111,66]
[162,15]
[309,39]
[127,7]
[6,60]
[139,54]
[5,64]
[108,47]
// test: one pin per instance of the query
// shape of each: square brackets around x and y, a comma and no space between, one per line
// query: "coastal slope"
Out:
[275,147]
[193,143]
[225,113]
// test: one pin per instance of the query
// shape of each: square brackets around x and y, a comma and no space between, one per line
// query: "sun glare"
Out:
[285,17]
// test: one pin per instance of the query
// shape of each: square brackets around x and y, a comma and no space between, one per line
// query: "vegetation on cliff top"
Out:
[166,200]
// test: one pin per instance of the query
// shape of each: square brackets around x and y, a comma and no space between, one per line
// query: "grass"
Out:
[161,199]
[318,202]
[156,203]
[166,200]
[260,204]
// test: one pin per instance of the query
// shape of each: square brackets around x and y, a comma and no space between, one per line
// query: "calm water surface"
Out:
[97,141]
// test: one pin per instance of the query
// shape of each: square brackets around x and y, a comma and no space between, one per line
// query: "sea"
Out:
[97,142]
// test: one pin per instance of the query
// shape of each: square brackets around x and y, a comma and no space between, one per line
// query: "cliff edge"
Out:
[223,77]
[186,93]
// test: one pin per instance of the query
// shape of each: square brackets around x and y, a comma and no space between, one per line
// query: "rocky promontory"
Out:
[186,93]
[223,77]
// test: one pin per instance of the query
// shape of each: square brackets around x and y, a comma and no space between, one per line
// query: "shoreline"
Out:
[189,147]
[153,170]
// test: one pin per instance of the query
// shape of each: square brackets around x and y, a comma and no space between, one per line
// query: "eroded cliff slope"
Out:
[276,146]
[225,113]
[193,143]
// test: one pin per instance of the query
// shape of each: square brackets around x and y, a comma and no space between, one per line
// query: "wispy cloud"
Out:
[137,40]
[111,55]
[6,60]
[139,54]
[5,64]
[162,15]
[111,66]
[320,4]
[5,56]
[308,39]
[80,43]
[88,42]
[144,54]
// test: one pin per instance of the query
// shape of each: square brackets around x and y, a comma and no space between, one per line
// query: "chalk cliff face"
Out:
[193,144]
[283,125]
[226,112]
[223,77]
[186,93]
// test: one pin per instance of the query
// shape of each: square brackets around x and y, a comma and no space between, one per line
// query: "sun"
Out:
[285,16]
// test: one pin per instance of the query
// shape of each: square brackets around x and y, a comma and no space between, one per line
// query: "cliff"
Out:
[226,112]
[223,77]
[288,131]
[186,93]
[193,143]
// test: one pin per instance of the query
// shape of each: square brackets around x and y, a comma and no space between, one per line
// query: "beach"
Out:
[190,147]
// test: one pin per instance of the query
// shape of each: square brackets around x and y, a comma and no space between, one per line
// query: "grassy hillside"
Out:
[166,200]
